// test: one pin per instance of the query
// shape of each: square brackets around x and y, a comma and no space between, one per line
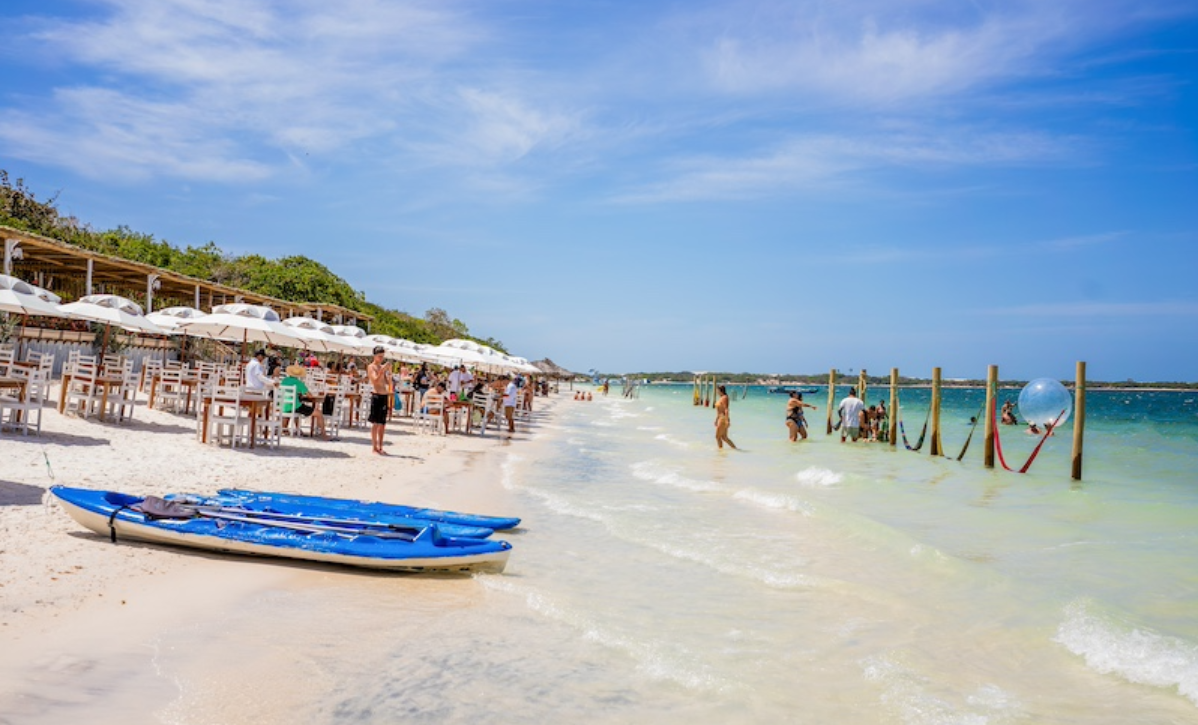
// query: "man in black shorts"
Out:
[380,393]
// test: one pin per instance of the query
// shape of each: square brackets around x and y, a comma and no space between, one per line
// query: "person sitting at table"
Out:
[435,404]
[307,402]
[256,379]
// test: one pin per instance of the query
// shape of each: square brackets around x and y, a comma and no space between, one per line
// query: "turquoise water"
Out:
[659,580]
[822,582]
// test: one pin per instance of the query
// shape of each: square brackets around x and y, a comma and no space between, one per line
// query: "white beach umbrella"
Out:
[436,355]
[113,310]
[22,298]
[391,348]
[463,355]
[243,323]
[524,365]
[354,339]
[408,351]
[169,319]
[318,335]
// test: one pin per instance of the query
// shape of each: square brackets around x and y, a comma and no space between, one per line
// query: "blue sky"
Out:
[743,186]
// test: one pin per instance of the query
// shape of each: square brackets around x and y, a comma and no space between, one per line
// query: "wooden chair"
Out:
[26,408]
[124,401]
[228,416]
[430,418]
[171,392]
[83,393]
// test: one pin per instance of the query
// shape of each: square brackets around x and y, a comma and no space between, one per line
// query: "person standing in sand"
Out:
[723,421]
[795,420]
[380,391]
[510,392]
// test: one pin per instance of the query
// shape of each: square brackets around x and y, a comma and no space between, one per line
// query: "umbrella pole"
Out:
[21,335]
[104,345]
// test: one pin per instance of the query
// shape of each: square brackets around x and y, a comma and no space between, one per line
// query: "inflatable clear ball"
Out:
[1043,399]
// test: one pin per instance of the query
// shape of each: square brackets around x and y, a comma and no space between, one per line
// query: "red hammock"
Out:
[1035,451]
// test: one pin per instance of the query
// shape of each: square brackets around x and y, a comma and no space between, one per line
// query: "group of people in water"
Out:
[857,422]
[860,422]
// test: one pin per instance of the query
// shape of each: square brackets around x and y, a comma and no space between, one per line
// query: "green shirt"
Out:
[300,391]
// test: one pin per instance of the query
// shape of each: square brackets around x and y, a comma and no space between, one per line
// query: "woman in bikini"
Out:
[722,420]
[795,420]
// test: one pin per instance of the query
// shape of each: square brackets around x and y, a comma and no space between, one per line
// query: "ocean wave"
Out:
[648,427]
[653,658]
[1136,654]
[918,700]
[671,440]
[507,471]
[779,501]
[816,477]
[655,473]
[561,505]
[770,577]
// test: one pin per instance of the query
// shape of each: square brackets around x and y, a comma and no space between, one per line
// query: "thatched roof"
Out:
[553,370]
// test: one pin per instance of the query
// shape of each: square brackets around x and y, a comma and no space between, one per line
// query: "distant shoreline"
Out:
[1090,387]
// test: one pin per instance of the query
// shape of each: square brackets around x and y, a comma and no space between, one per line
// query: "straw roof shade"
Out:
[553,370]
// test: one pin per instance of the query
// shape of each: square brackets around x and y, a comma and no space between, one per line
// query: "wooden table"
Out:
[465,405]
[190,382]
[105,382]
[254,402]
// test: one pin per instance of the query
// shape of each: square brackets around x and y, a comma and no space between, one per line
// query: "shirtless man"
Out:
[723,421]
[380,389]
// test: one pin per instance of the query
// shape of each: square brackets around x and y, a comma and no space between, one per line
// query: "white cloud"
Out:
[882,52]
[222,90]
[818,161]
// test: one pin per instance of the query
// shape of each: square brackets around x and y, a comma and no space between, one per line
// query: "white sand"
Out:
[61,585]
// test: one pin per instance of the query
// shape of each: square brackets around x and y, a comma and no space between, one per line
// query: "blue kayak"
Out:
[215,528]
[375,508]
[313,510]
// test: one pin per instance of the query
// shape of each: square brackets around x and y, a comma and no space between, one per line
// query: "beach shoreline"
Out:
[69,599]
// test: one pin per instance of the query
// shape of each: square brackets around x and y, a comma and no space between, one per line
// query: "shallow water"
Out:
[657,579]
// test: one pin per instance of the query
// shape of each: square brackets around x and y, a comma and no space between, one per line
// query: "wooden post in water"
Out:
[936,447]
[1079,419]
[893,424]
[831,396]
[861,386]
[991,401]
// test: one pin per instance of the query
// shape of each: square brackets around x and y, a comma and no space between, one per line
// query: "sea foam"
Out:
[1135,654]
[919,701]
[816,477]
[655,473]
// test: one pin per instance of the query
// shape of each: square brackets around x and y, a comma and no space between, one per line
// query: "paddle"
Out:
[299,526]
[302,518]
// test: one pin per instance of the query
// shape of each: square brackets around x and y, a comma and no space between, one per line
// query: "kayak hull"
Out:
[107,513]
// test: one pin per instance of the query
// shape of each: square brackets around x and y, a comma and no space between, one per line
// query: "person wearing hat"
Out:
[307,402]
[380,395]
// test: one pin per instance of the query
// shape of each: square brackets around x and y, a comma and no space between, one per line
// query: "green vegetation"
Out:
[296,279]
